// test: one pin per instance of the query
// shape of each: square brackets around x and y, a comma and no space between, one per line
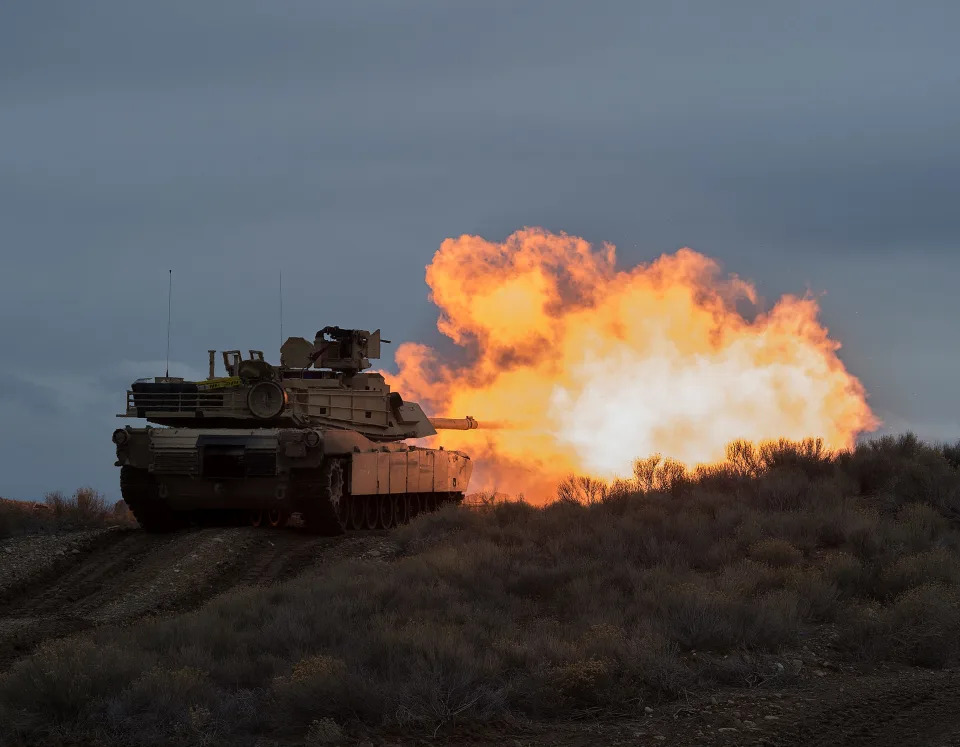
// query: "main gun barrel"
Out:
[454,424]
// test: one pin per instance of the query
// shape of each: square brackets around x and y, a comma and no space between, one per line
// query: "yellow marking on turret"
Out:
[224,382]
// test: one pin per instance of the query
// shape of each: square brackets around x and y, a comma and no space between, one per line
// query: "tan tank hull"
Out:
[335,479]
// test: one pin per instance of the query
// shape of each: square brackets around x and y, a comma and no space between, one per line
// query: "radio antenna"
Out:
[169,307]
[281,307]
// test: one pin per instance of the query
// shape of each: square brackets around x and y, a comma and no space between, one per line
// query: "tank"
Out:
[317,436]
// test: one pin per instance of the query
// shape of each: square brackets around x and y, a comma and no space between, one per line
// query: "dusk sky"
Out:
[807,146]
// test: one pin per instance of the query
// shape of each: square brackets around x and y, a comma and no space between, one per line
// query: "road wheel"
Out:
[277,517]
[256,518]
[416,504]
[371,512]
[403,508]
[388,510]
[343,511]
[357,509]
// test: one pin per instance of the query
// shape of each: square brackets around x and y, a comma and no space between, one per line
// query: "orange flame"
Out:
[592,366]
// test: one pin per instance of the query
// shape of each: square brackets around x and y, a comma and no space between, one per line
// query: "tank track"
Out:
[332,511]
[327,508]
[320,492]
[141,493]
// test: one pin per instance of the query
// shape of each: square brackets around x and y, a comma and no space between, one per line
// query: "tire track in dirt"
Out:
[909,707]
[132,575]
[287,553]
[908,711]
[284,555]
[70,590]
[58,564]
[54,603]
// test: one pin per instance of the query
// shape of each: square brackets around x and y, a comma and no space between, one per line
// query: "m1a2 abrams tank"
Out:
[315,436]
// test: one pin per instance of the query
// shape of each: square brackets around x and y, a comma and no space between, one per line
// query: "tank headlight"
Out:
[313,439]
[120,437]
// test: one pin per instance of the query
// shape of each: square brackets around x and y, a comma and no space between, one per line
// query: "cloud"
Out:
[26,396]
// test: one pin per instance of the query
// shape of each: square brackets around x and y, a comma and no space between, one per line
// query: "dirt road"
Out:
[120,575]
[909,708]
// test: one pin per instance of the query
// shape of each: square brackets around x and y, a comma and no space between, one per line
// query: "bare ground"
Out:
[81,580]
[913,708]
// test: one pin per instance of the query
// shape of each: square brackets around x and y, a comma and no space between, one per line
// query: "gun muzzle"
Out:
[454,424]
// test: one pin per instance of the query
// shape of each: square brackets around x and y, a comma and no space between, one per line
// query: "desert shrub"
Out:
[818,599]
[897,470]
[84,508]
[747,578]
[620,489]
[720,554]
[581,489]
[720,479]
[485,498]
[57,685]
[513,514]
[322,686]
[579,681]
[861,532]
[435,525]
[658,666]
[324,731]
[181,699]
[923,626]
[918,527]
[644,471]
[698,618]
[862,632]
[801,528]
[808,456]
[846,572]
[655,474]
[20,517]
[744,459]
[772,621]
[910,571]
[750,530]
[951,452]
[783,489]
[775,552]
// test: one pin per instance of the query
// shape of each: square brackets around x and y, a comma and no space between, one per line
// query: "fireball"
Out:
[585,367]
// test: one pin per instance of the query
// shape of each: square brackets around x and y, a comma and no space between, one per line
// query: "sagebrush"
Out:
[85,508]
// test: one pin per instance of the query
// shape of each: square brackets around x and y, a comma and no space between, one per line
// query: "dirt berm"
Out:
[53,585]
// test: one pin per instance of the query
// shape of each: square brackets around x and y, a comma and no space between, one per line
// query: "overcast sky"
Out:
[807,145]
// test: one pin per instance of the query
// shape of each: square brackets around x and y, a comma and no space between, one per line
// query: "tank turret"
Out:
[268,439]
[322,383]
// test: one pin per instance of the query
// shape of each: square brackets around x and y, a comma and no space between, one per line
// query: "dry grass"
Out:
[676,582]
[85,508]
[22,517]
